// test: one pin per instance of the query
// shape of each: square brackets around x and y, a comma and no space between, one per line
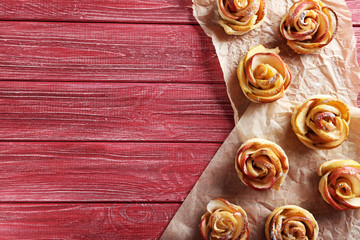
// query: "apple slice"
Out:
[340,183]
[224,220]
[291,222]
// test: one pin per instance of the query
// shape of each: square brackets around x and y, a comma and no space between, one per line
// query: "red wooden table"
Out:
[109,112]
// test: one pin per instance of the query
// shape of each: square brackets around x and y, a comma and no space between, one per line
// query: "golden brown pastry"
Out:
[291,222]
[261,164]
[309,26]
[321,122]
[224,220]
[263,75]
[340,183]
[241,16]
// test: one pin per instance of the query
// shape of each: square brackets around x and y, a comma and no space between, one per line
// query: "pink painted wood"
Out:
[104,131]
[84,221]
[137,11]
[55,111]
[100,172]
[107,52]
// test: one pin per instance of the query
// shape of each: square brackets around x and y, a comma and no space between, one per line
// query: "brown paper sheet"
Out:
[300,187]
[332,71]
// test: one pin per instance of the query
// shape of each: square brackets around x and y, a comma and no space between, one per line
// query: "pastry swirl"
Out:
[321,122]
[340,183]
[309,26]
[291,222]
[261,164]
[241,16]
[224,220]
[263,75]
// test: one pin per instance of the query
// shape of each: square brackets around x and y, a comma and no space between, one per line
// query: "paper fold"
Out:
[331,71]
[299,188]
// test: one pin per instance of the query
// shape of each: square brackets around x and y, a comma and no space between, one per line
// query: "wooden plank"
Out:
[160,11]
[136,11]
[107,52]
[114,112]
[354,7]
[84,221]
[89,172]
[357,35]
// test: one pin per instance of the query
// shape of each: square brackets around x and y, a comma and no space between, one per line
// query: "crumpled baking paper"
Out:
[331,71]
[270,121]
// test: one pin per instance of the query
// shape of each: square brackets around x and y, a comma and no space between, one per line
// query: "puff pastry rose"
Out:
[263,75]
[224,220]
[340,183]
[321,122]
[241,16]
[261,164]
[309,26]
[291,222]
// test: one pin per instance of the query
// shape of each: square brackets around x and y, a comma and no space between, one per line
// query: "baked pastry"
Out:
[309,26]
[241,16]
[263,75]
[321,122]
[224,220]
[261,164]
[340,183]
[291,222]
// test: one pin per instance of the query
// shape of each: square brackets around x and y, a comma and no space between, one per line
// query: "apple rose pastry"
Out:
[241,16]
[224,221]
[261,164]
[291,222]
[321,122]
[340,183]
[263,75]
[309,26]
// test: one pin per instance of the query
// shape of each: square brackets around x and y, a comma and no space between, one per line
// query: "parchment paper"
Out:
[331,71]
[300,187]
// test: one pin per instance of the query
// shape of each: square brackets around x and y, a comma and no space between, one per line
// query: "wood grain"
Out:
[107,52]
[96,52]
[354,7]
[114,112]
[89,172]
[84,221]
[136,11]
[357,35]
